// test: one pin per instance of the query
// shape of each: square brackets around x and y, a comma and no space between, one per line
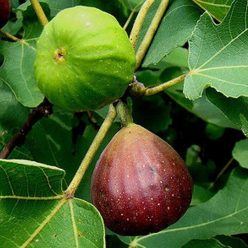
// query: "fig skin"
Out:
[84,59]
[4,12]
[140,184]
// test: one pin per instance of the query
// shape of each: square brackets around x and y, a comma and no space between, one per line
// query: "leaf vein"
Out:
[74,226]
[222,49]
[43,224]
[195,226]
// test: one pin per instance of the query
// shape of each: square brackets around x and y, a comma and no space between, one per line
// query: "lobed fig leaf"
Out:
[4,12]
[140,183]
[84,59]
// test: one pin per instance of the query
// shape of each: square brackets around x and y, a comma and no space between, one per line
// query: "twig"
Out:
[129,19]
[44,109]
[131,16]
[223,170]
[39,12]
[140,54]
[91,152]
[139,21]
[137,88]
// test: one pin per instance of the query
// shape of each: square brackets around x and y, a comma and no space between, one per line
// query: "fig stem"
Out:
[137,88]
[141,52]
[124,113]
[70,191]
[139,21]
[39,12]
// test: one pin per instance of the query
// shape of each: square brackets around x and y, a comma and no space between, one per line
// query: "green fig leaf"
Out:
[50,142]
[9,106]
[240,153]
[219,60]
[55,135]
[17,72]
[200,195]
[133,4]
[218,9]
[185,14]
[234,109]
[32,206]
[202,107]
[213,243]
[31,25]
[198,223]
[232,241]
[114,7]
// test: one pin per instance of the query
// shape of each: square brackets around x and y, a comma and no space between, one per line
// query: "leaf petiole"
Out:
[91,152]
[138,88]
[10,36]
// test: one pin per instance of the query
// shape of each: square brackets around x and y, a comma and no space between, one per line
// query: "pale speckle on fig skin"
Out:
[145,197]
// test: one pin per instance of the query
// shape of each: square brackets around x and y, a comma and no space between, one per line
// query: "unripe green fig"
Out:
[140,184]
[84,59]
[4,12]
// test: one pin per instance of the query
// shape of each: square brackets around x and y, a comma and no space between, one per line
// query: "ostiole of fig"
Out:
[140,184]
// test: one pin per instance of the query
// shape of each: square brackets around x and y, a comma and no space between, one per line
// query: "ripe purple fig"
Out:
[4,12]
[140,183]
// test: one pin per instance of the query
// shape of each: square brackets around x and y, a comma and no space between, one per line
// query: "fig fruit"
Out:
[140,184]
[84,59]
[4,12]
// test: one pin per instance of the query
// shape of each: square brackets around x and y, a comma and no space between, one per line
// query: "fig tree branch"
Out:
[139,21]
[137,88]
[44,109]
[91,152]
[39,12]
[141,52]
